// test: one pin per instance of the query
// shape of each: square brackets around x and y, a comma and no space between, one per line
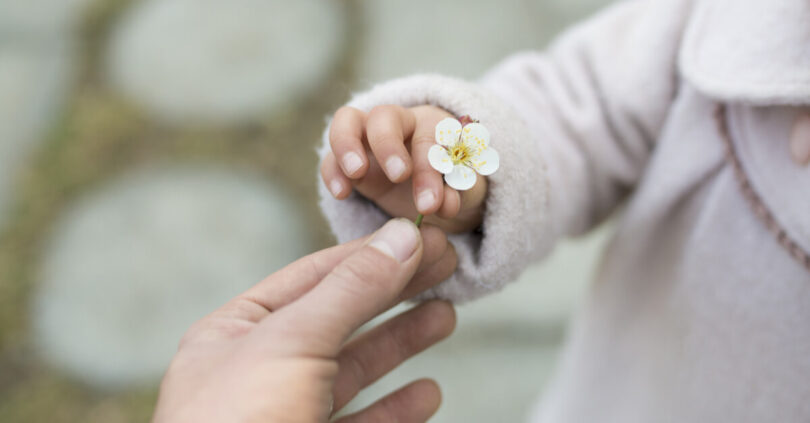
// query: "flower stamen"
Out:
[459,153]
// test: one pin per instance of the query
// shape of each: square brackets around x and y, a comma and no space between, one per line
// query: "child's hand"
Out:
[383,154]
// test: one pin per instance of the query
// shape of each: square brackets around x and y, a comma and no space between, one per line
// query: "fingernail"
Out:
[336,187]
[397,239]
[352,162]
[395,167]
[425,200]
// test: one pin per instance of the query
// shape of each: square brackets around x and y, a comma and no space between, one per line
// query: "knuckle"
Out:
[351,273]
[367,271]
[346,112]
[187,338]
[344,126]
[392,406]
[423,139]
[435,112]
[339,140]
[439,319]
[434,241]
[192,335]
[442,248]
[441,270]
[401,343]
[426,173]
[450,260]
[386,138]
[385,110]
[355,365]
[446,269]
[383,412]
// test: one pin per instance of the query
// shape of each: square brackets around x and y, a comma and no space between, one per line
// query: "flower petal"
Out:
[486,162]
[448,131]
[439,159]
[461,178]
[475,136]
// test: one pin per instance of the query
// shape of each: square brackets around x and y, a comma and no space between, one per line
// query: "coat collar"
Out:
[752,51]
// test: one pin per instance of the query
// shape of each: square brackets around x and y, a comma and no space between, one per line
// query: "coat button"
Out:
[800,139]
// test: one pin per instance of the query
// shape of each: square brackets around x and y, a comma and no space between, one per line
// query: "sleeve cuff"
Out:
[516,229]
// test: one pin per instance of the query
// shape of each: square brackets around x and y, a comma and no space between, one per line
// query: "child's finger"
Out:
[451,204]
[468,214]
[387,128]
[338,184]
[375,184]
[431,275]
[435,244]
[473,198]
[346,140]
[427,182]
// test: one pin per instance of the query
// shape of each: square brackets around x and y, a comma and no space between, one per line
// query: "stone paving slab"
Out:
[38,18]
[223,61]
[132,266]
[35,78]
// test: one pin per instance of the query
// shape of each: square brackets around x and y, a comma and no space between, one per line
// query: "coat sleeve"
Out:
[574,127]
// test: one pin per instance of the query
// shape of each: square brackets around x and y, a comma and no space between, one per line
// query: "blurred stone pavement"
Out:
[157,157]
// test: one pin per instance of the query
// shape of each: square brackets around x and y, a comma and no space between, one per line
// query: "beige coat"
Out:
[682,112]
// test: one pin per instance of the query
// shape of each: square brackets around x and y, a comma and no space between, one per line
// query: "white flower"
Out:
[461,152]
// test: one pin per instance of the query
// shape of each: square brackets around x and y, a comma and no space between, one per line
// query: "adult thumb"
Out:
[360,287]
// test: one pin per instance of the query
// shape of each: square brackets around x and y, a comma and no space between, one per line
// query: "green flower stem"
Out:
[418,220]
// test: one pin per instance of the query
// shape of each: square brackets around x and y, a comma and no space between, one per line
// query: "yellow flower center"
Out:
[460,153]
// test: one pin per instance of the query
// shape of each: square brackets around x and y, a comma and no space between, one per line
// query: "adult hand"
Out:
[279,352]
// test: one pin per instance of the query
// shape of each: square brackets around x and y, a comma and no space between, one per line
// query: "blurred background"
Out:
[157,158]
